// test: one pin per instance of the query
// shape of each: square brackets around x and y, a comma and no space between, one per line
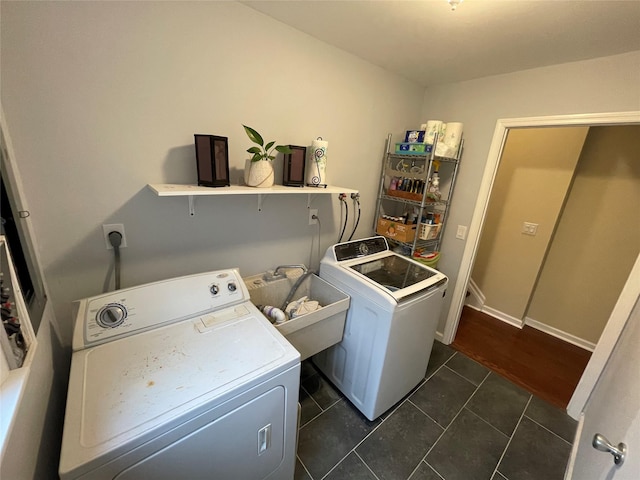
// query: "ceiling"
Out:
[428,43]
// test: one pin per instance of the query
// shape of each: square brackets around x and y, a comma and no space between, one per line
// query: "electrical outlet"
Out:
[313,212]
[461,233]
[113,227]
[529,228]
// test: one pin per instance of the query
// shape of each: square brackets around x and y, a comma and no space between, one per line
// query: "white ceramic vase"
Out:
[258,174]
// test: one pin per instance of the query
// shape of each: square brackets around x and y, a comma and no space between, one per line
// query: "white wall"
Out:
[608,84]
[102,98]
[33,448]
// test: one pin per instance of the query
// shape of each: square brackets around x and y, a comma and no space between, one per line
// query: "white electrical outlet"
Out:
[461,233]
[313,212]
[529,228]
[113,227]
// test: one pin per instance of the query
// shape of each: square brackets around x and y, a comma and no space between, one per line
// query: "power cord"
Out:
[115,239]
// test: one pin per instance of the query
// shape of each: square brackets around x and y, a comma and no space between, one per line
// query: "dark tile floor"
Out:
[463,422]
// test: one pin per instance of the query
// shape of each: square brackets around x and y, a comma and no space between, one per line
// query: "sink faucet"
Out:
[276,274]
[300,266]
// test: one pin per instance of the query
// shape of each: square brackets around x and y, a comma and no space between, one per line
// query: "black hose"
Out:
[357,221]
[346,218]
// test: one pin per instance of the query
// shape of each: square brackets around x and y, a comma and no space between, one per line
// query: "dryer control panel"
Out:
[128,311]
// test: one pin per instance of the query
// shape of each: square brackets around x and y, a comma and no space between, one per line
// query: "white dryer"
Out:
[391,323]
[182,378]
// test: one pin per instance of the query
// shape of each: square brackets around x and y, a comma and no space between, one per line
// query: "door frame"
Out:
[631,290]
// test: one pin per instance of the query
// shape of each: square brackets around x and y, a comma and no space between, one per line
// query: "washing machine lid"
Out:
[126,392]
[393,272]
[369,264]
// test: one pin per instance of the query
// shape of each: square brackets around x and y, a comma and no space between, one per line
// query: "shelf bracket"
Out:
[259,202]
[192,206]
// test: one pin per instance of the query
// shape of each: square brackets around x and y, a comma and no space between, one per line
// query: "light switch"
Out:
[529,228]
[461,233]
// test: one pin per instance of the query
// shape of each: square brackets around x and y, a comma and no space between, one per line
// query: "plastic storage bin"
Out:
[429,231]
[428,259]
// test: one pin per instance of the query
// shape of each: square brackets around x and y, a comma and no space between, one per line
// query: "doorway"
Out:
[575,186]
[607,340]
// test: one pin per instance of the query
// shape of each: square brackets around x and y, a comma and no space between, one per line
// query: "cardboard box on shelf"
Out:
[416,197]
[407,148]
[395,230]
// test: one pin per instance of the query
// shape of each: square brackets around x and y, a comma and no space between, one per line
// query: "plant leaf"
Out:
[268,146]
[253,135]
[254,150]
[256,157]
[284,149]
[271,157]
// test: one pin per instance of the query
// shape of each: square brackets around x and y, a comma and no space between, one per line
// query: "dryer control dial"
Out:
[111,315]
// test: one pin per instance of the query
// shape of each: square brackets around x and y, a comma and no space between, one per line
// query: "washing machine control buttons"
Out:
[232,286]
[111,315]
[214,289]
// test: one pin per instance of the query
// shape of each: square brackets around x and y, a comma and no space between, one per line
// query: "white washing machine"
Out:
[390,327]
[179,379]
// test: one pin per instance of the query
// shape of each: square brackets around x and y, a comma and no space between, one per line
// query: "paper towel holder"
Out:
[316,172]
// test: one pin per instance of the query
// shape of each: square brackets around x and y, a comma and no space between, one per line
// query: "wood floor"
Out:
[540,363]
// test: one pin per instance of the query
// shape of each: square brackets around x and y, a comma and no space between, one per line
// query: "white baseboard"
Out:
[439,336]
[567,337]
[476,293]
[516,322]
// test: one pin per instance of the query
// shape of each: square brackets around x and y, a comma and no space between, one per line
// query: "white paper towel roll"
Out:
[317,165]
[453,135]
[433,127]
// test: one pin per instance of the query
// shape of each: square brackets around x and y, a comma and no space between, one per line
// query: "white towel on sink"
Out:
[300,307]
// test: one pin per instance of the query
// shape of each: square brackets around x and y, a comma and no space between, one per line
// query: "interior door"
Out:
[613,411]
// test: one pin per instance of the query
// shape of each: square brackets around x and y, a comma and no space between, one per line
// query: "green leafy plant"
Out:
[263,152]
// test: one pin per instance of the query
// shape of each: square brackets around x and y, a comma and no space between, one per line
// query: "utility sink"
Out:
[312,332]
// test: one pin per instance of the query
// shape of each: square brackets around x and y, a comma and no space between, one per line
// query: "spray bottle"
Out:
[434,185]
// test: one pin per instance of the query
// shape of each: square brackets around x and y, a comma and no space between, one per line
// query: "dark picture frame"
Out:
[212,160]
[294,166]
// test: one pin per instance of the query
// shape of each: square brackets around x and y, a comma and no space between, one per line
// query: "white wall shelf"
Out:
[191,191]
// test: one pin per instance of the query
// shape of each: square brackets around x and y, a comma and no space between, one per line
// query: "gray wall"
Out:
[102,98]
